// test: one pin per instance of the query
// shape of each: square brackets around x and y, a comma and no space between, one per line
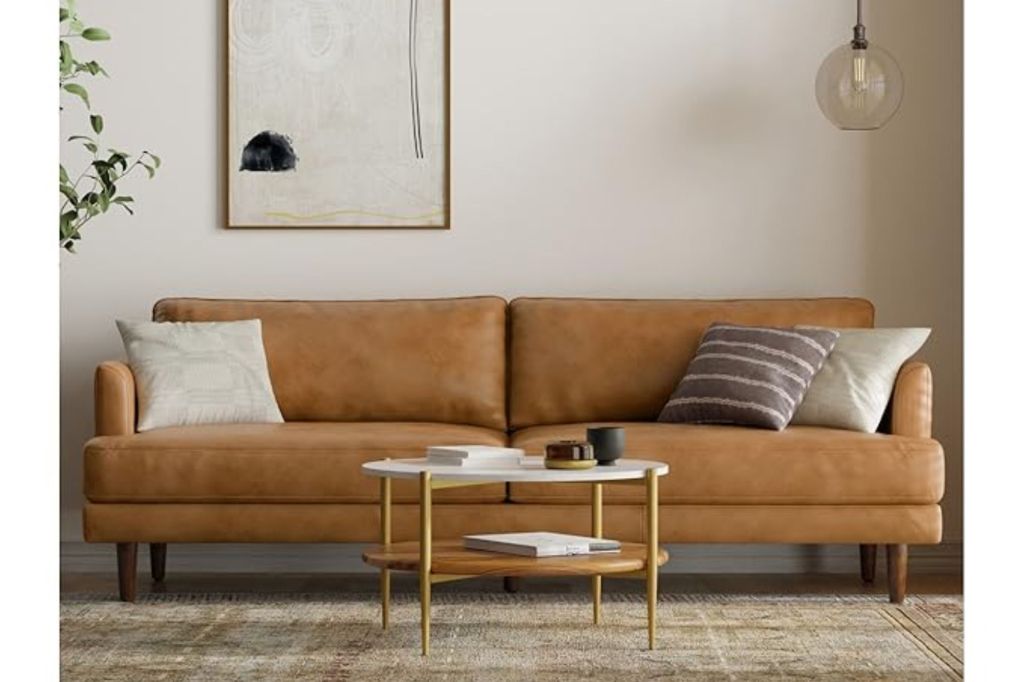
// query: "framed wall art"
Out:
[338,113]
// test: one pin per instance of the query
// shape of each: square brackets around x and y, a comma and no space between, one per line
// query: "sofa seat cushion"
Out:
[294,462]
[736,465]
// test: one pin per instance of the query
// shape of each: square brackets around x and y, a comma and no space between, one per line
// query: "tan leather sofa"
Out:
[358,381]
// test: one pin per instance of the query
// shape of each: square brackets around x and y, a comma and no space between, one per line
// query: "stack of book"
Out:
[482,456]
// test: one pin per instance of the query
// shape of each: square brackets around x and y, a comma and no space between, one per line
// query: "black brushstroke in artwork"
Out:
[414,80]
[269,151]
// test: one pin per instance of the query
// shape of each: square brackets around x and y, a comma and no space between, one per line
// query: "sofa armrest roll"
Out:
[912,401]
[114,391]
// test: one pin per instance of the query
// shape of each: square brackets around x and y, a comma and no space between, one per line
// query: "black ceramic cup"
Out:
[609,443]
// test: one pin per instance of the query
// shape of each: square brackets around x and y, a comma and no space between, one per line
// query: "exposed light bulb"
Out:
[860,70]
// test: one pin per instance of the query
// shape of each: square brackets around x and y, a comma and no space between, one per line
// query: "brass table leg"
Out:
[652,555]
[385,539]
[596,529]
[425,561]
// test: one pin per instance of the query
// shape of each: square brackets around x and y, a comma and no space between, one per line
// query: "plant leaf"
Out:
[70,194]
[97,123]
[94,68]
[156,159]
[66,60]
[149,169]
[93,33]
[78,90]
[64,14]
[91,146]
[64,175]
[67,219]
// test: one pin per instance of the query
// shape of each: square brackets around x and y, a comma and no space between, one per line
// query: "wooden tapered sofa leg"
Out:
[158,560]
[127,555]
[868,554]
[896,556]
[510,584]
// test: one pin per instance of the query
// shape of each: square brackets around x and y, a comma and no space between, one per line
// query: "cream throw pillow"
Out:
[199,373]
[853,387]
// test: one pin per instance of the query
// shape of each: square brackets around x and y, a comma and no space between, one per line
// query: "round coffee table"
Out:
[447,560]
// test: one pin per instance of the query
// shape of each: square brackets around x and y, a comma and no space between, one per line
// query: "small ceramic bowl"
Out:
[609,443]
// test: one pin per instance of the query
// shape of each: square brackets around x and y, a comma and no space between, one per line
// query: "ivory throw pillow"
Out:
[190,373]
[750,376]
[853,388]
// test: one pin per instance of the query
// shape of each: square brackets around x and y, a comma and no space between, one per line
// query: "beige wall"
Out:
[600,147]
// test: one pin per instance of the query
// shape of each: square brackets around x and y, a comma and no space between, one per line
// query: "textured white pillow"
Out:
[853,387]
[199,373]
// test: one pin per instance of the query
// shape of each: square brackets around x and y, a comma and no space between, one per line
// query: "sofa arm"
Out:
[114,391]
[912,401]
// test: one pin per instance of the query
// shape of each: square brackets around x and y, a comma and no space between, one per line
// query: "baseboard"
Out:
[81,557]
[71,525]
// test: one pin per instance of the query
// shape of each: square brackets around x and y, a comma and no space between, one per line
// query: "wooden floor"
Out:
[750,583]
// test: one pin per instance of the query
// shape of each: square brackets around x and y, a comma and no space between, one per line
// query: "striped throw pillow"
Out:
[750,376]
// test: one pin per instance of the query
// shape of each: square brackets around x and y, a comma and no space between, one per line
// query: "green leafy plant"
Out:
[95,189]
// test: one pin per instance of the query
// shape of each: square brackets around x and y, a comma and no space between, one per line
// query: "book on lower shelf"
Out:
[474,455]
[541,544]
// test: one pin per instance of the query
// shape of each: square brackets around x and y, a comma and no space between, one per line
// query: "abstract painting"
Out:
[337,113]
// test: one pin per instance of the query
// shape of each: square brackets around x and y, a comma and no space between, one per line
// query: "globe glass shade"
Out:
[859,88]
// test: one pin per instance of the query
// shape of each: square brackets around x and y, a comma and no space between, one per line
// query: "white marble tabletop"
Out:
[532,470]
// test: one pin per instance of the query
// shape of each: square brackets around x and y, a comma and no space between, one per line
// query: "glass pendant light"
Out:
[859,85]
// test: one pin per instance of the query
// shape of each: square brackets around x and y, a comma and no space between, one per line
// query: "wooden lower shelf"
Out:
[451,558]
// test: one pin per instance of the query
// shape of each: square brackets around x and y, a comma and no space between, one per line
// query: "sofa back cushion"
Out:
[592,360]
[406,360]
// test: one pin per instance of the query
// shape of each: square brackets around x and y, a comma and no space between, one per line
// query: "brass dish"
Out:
[570,463]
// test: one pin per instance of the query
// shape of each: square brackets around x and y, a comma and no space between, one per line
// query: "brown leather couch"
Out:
[364,380]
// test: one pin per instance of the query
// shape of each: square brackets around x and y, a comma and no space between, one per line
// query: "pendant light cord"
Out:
[859,15]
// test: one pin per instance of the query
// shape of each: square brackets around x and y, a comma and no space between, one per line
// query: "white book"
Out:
[473,451]
[486,463]
[540,544]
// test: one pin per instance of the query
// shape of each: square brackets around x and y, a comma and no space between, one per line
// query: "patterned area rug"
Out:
[509,637]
